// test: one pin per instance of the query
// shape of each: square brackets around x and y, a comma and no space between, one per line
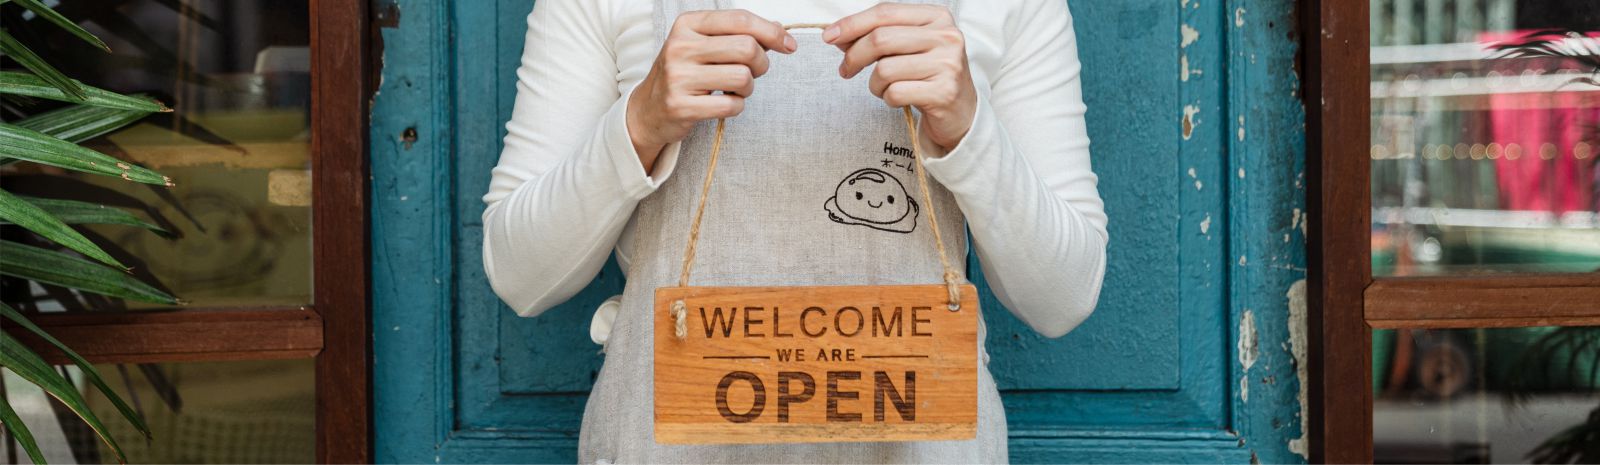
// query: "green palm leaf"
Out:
[49,267]
[21,213]
[29,366]
[79,123]
[75,212]
[40,85]
[30,60]
[89,370]
[62,21]
[29,145]
[13,423]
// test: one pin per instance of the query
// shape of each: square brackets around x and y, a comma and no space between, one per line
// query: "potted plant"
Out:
[38,130]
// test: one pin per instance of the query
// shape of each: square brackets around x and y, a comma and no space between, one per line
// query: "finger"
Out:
[734,50]
[901,68]
[853,27]
[740,22]
[915,93]
[705,107]
[887,41]
[708,79]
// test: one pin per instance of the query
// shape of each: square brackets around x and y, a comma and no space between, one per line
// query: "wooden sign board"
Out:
[816,364]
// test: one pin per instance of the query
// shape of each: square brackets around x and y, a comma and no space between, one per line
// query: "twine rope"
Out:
[952,281]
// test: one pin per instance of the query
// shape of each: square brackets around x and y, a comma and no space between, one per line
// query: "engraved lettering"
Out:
[879,323]
[785,398]
[907,405]
[755,408]
[916,321]
[860,321]
[806,328]
[834,394]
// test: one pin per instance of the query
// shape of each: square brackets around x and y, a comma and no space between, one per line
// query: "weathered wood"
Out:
[816,364]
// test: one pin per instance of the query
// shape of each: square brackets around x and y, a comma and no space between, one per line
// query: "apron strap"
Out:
[951,279]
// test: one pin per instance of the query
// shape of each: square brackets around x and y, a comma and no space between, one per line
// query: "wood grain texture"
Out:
[1485,301]
[725,383]
[1151,377]
[187,335]
[1499,322]
[339,70]
[1334,34]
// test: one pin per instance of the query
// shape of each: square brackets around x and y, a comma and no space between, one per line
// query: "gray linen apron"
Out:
[814,187]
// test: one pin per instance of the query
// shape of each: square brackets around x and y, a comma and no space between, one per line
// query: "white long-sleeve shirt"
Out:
[568,179]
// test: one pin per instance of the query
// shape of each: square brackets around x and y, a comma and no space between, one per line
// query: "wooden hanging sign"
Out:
[815,364]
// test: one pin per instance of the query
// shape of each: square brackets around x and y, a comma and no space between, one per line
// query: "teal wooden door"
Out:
[1197,143]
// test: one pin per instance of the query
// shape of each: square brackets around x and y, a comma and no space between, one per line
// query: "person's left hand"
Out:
[921,61]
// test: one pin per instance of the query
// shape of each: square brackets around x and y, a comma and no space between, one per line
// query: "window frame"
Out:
[1345,301]
[334,329]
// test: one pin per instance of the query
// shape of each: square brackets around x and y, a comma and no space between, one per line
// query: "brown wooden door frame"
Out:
[340,70]
[1338,256]
[335,328]
[1345,301]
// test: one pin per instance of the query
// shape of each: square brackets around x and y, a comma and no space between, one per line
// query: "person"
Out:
[607,148]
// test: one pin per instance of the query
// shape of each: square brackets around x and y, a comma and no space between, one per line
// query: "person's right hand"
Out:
[706,52]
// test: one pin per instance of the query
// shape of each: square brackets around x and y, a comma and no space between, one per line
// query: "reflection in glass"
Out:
[237,74]
[207,412]
[1514,395]
[1485,136]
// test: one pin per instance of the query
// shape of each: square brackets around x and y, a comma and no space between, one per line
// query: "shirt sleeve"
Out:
[568,178]
[1022,177]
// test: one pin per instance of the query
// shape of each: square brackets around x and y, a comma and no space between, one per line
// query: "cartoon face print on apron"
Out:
[802,139]
[867,198]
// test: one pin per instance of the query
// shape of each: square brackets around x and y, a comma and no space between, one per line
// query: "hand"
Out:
[921,61]
[705,53]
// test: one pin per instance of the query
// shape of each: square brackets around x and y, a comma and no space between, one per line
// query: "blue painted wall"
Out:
[1198,140]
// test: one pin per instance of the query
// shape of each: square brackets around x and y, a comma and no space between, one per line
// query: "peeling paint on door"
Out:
[1189,121]
[1297,350]
[1247,341]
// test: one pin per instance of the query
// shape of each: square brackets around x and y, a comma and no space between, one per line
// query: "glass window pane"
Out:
[1515,395]
[237,75]
[204,412]
[1485,136]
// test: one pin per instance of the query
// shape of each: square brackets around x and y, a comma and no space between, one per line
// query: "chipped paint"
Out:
[1297,350]
[1199,185]
[1184,70]
[1192,173]
[1248,218]
[1248,352]
[1267,142]
[1189,120]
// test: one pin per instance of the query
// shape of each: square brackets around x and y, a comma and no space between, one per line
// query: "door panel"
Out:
[1131,341]
[1147,376]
